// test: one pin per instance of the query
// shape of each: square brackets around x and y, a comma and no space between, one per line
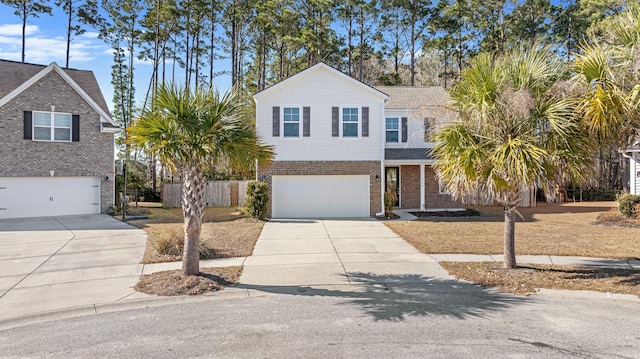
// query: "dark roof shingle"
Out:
[13,74]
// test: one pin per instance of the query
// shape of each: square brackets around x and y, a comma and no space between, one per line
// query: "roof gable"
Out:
[314,69]
[17,77]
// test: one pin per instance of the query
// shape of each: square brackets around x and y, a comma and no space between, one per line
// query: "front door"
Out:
[392,181]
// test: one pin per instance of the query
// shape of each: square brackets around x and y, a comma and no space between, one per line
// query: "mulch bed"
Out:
[527,279]
[465,213]
[170,283]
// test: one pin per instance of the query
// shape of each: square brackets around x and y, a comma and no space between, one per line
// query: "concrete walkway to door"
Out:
[335,252]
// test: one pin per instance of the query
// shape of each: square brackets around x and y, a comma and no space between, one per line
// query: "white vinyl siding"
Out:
[321,91]
[51,126]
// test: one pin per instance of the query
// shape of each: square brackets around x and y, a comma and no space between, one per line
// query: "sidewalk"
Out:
[555,260]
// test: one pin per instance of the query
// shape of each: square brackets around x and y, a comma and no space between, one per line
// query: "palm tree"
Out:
[189,131]
[607,80]
[516,131]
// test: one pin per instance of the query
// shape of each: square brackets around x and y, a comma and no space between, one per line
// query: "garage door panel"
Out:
[320,196]
[48,196]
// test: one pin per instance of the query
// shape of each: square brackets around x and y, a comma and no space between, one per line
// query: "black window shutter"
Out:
[365,122]
[28,125]
[335,122]
[404,129]
[427,129]
[276,121]
[306,121]
[75,128]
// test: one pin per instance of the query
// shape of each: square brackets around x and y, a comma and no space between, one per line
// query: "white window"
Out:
[442,189]
[51,126]
[350,117]
[392,129]
[291,121]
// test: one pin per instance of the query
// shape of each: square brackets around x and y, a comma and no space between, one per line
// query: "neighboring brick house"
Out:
[57,136]
[340,144]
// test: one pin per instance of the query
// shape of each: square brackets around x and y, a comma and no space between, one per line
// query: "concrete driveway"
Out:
[335,252]
[51,263]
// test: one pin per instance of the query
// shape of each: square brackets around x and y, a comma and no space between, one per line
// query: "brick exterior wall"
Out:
[409,186]
[410,190]
[320,168]
[92,156]
[433,198]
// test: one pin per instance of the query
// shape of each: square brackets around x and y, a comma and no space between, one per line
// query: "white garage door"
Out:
[48,196]
[320,196]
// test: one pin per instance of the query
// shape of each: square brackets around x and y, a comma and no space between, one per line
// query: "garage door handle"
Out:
[3,187]
[51,199]
[3,209]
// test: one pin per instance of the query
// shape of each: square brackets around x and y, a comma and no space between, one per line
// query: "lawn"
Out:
[569,229]
[226,232]
[590,229]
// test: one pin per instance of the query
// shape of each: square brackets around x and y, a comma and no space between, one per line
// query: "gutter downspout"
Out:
[382,174]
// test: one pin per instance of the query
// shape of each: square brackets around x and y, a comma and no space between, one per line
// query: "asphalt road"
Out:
[404,321]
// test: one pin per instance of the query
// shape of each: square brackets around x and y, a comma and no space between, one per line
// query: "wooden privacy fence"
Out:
[527,198]
[217,194]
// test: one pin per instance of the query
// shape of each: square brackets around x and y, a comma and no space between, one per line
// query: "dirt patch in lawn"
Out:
[527,279]
[170,283]
[568,229]
[226,232]
[614,218]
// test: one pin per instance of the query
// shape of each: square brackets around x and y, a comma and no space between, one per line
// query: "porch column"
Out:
[422,206]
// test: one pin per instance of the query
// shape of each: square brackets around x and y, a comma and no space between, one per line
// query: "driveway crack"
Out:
[45,261]
[337,254]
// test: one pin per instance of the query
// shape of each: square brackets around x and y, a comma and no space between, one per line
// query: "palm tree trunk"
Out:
[193,210]
[509,237]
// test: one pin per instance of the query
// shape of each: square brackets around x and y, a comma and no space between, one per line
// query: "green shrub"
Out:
[627,204]
[257,199]
[390,200]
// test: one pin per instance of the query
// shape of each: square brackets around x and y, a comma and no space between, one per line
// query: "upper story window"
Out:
[291,121]
[392,129]
[350,122]
[51,126]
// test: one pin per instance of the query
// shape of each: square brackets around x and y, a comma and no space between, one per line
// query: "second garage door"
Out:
[48,196]
[320,196]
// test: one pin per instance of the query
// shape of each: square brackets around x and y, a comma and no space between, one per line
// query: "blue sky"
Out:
[46,43]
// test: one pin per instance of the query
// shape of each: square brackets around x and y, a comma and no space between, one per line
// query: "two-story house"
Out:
[340,144]
[57,142]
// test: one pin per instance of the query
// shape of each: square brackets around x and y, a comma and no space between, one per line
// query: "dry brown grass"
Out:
[169,283]
[526,280]
[226,232]
[568,229]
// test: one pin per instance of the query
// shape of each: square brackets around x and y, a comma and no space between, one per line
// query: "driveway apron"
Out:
[335,252]
[51,263]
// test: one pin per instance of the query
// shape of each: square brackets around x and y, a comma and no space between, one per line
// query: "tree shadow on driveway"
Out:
[396,297]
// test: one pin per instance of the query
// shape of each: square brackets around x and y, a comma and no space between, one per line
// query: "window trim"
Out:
[442,189]
[300,121]
[358,123]
[51,126]
[396,130]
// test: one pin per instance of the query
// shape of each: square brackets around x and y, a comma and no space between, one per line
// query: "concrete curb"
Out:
[102,308]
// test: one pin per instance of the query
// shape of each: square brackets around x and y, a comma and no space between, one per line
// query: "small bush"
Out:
[173,245]
[151,196]
[257,199]
[390,200]
[628,205]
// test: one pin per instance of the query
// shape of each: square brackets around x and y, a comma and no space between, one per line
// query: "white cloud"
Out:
[16,30]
